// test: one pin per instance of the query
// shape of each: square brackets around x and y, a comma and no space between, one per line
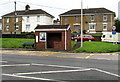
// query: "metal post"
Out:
[15,20]
[81,23]
[15,15]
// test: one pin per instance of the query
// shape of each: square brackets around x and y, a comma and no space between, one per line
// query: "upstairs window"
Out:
[7,20]
[66,19]
[105,18]
[17,19]
[76,18]
[92,18]
[38,18]
[28,20]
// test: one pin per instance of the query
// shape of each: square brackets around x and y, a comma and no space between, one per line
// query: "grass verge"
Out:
[98,47]
[14,42]
[87,46]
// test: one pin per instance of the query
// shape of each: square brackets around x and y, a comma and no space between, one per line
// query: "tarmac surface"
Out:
[61,54]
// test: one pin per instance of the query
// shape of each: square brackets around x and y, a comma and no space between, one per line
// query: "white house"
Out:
[25,20]
[30,21]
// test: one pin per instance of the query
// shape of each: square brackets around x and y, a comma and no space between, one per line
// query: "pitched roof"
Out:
[29,12]
[52,27]
[88,11]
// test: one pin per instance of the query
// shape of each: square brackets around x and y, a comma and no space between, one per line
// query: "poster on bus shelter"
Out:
[43,36]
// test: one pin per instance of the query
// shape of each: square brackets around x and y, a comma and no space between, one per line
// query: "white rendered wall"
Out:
[44,20]
[0,26]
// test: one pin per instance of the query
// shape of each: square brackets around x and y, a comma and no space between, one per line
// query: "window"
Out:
[17,27]
[17,19]
[104,26]
[7,27]
[103,36]
[77,28]
[38,18]
[92,18]
[27,18]
[43,36]
[105,18]
[110,36]
[76,18]
[92,26]
[7,20]
[66,19]
[28,27]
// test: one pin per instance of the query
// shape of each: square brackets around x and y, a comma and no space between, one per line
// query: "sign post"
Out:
[113,33]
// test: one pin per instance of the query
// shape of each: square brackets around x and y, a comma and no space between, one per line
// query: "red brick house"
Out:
[57,37]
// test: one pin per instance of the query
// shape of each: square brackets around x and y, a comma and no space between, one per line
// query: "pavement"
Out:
[61,54]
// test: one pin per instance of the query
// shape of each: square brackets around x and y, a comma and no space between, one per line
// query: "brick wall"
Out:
[57,44]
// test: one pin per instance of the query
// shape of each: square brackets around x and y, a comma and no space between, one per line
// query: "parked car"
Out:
[85,38]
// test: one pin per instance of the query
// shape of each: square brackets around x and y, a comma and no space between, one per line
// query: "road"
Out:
[56,68]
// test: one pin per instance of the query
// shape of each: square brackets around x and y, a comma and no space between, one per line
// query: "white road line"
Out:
[55,66]
[3,62]
[45,72]
[15,65]
[105,72]
[35,78]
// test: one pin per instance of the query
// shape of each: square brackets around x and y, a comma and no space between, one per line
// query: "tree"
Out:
[117,24]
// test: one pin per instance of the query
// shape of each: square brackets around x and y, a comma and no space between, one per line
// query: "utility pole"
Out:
[15,20]
[15,15]
[81,23]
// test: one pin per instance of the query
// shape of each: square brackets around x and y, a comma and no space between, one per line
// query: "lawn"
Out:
[98,47]
[14,42]
[87,46]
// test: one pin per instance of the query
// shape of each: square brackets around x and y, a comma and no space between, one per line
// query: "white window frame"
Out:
[7,27]
[94,24]
[17,27]
[16,19]
[8,20]
[78,27]
[28,19]
[104,17]
[76,18]
[65,19]
[42,36]
[104,24]
[27,29]
[38,18]
[92,17]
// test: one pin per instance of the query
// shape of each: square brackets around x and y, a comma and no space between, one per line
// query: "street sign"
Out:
[113,32]
[113,27]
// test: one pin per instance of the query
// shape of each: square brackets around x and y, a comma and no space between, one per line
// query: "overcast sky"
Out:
[56,7]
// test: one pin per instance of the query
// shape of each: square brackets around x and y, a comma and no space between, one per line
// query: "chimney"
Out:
[27,7]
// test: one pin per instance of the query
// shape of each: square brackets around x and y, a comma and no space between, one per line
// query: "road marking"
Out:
[87,57]
[92,54]
[105,72]
[60,71]
[54,65]
[15,65]
[3,62]
[35,78]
